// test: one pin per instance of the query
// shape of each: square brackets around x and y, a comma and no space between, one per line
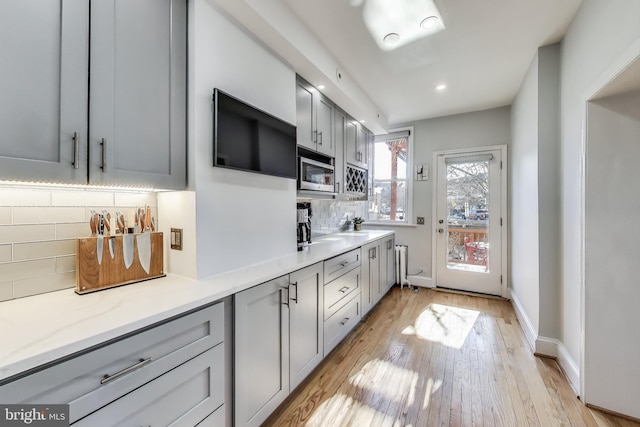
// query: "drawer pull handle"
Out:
[344,322]
[344,263]
[108,378]
[296,298]
[343,289]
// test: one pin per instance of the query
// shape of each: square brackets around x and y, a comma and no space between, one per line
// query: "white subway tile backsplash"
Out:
[24,197]
[27,269]
[41,285]
[136,199]
[26,233]
[73,231]
[5,215]
[82,198]
[6,291]
[35,250]
[47,215]
[38,231]
[5,253]
[66,264]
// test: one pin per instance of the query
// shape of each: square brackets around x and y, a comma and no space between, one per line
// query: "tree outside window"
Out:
[390,185]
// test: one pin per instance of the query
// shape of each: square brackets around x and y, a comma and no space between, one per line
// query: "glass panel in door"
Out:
[468,232]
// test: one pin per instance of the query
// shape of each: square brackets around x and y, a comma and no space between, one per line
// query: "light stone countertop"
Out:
[43,328]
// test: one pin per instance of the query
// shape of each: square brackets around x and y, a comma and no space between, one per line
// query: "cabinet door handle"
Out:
[296,298]
[104,154]
[344,263]
[344,321]
[108,378]
[389,245]
[343,289]
[320,138]
[76,150]
[284,301]
[314,138]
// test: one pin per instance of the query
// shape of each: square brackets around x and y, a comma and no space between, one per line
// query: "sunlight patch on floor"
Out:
[341,410]
[386,379]
[444,324]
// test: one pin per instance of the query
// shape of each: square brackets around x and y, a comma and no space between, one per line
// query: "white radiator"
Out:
[401,257]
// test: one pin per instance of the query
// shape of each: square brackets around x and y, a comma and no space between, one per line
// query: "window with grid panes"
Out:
[391,185]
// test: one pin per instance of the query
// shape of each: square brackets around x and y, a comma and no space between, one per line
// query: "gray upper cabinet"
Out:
[314,119]
[135,97]
[43,90]
[339,135]
[358,144]
[138,93]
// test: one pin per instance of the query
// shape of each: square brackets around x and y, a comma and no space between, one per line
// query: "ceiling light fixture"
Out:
[441,87]
[361,121]
[429,22]
[391,38]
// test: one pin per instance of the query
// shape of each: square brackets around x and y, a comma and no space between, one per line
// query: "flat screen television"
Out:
[249,139]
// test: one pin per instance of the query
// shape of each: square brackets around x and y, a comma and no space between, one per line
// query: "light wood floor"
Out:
[435,358]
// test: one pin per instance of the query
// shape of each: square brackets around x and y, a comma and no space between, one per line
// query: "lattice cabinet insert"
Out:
[356,180]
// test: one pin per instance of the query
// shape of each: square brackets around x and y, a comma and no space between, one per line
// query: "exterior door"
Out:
[470,220]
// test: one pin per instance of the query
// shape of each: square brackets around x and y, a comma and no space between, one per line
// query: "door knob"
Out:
[440,230]
[440,221]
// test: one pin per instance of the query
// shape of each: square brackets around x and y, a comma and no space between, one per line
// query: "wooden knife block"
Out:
[92,276]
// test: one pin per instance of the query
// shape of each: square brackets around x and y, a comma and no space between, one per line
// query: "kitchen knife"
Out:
[106,218]
[120,221]
[112,246]
[147,217]
[144,250]
[99,246]
[127,249]
[92,223]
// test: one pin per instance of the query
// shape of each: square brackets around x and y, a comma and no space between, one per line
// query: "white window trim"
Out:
[410,166]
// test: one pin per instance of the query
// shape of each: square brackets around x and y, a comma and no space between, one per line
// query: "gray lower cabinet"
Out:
[387,264]
[184,396]
[170,373]
[371,292]
[278,341]
[135,100]
[378,271]
[342,304]
[305,322]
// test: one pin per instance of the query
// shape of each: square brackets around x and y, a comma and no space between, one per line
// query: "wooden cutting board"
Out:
[94,276]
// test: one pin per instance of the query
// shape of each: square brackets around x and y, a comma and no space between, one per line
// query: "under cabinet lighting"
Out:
[441,87]
[321,87]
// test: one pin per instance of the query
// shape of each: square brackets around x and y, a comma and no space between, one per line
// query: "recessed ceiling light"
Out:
[361,121]
[429,23]
[391,38]
[441,87]
[321,87]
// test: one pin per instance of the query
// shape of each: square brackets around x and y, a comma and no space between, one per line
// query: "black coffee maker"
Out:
[304,225]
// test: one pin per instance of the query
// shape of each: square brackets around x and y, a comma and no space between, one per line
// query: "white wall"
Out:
[599,34]
[242,218]
[612,337]
[549,189]
[523,198]
[478,129]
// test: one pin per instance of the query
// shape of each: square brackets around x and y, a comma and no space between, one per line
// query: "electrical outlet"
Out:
[176,239]
[420,220]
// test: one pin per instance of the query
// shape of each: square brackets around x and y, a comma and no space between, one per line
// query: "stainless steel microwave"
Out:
[315,176]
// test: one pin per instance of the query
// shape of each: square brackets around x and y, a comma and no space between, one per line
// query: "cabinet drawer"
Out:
[181,397]
[341,323]
[341,264]
[340,290]
[128,363]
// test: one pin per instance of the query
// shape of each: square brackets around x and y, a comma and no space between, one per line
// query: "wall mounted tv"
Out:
[246,138]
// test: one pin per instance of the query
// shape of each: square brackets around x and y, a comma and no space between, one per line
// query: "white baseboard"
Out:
[547,346]
[422,281]
[529,332]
